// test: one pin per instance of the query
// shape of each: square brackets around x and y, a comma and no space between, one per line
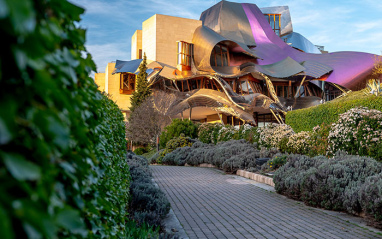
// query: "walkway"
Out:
[210,204]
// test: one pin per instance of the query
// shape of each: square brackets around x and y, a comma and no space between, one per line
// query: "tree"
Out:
[142,90]
[145,123]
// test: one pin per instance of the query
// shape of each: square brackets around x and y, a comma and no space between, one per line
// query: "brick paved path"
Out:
[210,204]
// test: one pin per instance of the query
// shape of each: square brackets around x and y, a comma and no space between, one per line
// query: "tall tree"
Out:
[142,90]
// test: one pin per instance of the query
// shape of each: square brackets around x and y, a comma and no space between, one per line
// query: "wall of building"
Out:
[136,44]
[149,38]
[99,79]
[112,87]
[160,34]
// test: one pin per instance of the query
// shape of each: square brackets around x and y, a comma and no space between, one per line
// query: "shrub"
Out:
[328,113]
[154,159]
[209,133]
[175,143]
[176,128]
[149,204]
[358,131]
[62,143]
[371,198]
[140,151]
[229,156]
[319,140]
[299,143]
[329,183]
[276,162]
[272,134]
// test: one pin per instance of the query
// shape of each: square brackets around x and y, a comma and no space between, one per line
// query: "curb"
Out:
[256,177]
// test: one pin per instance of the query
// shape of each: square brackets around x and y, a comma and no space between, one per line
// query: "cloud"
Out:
[108,52]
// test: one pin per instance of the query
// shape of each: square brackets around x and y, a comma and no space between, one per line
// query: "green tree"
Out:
[143,90]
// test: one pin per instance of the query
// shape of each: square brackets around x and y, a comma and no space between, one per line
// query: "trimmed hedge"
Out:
[63,168]
[306,119]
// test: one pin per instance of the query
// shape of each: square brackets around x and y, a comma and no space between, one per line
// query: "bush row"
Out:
[328,113]
[62,143]
[345,182]
[149,204]
[229,156]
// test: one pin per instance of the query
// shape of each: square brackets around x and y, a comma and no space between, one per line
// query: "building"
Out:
[237,64]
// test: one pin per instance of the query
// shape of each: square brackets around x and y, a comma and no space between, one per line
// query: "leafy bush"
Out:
[229,156]
[358,131]
[299,143]
[215,133]
[319,140]
[209,133]
[62,143]
[371,198]
[140,151]
[276,162]
[155,157]
[176,128]
[271,135]
[149,204]
[328,113]
[341,183]
[175,143]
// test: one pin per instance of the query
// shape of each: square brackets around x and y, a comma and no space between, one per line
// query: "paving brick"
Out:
[210,204]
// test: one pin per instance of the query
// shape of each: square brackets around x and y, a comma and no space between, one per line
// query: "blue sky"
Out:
[339,25]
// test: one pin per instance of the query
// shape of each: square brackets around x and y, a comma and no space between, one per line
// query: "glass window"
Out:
[220,56]
[127,83]
[184,53]
[274,21]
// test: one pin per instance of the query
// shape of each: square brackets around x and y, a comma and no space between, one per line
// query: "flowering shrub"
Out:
[358,131]
[318,142]
[226,133]
[299,143]
[272,134]
[208,133]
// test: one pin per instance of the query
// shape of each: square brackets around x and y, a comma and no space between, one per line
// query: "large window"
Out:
[220,56]
[127,83]
[274,21]
[184,54]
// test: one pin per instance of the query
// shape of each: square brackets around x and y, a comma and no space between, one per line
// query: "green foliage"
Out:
[276,162]
[176,128]
[208,133]
[63,172]
[142,91]
[175,143]
[328,113]
[140,151]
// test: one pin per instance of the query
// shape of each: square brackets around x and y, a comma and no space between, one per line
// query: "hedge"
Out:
[306,119]
[63,168]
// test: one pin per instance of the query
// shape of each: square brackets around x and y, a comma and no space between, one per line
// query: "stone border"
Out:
[257,177]
[253,176]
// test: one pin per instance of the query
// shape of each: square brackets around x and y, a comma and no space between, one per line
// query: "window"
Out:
[220,56]
[127,83]
[184,54]
[274,21]
[140,54]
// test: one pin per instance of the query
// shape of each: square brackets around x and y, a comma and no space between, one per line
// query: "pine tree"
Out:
[142,90]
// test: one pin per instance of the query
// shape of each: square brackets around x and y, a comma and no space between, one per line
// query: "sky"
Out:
[338,25]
